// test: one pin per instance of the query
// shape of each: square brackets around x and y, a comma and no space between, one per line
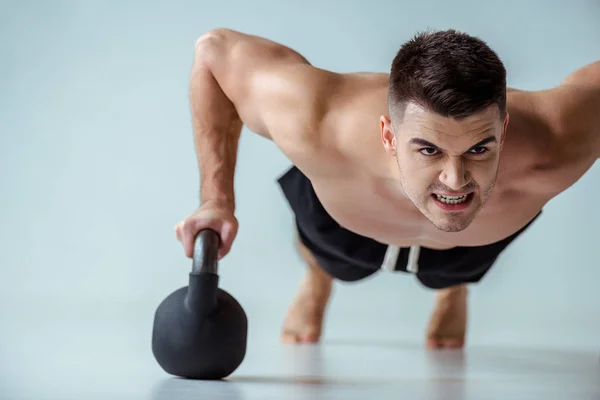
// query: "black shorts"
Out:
[347,256]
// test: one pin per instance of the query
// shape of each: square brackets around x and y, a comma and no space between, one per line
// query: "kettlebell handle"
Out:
[206,252]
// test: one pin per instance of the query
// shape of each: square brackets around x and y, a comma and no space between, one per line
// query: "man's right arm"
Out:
[237,80]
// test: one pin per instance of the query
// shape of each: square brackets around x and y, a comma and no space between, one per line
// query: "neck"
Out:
[389,177]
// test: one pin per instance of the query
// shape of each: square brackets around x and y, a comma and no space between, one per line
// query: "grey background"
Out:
[98,166]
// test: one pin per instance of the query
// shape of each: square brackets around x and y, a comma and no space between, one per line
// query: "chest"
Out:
[367,209]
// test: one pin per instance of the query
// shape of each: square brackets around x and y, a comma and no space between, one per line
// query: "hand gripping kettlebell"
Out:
[200,331]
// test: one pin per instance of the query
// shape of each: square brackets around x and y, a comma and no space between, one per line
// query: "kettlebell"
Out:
[200,331]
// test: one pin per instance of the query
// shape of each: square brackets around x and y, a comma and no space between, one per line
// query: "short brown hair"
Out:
[448,72]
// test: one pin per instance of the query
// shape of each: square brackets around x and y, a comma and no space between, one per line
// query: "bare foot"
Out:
[304,320]
[448,323]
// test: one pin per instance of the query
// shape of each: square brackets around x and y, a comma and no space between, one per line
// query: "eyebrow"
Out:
[423,142]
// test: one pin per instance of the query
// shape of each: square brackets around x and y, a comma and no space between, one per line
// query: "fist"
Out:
[218,217]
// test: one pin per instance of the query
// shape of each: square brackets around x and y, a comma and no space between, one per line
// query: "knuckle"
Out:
[189,225]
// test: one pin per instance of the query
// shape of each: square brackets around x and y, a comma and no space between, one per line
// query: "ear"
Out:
[387,135]
[504,130]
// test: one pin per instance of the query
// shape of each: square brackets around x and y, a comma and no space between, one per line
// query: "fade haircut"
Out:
[447,72]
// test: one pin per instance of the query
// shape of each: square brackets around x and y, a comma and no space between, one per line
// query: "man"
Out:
[418,170]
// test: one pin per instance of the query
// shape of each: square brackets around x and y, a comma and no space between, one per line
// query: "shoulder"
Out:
[336,120]
[276,91]
[300,115]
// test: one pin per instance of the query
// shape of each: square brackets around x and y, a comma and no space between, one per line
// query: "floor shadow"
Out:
[175,388]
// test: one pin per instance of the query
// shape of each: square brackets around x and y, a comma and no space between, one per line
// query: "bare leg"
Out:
[304,320]
[448,322]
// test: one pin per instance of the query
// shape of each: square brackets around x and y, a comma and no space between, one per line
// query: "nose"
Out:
[454,175]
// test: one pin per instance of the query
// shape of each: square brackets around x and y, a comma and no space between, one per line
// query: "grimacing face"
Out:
[448,167]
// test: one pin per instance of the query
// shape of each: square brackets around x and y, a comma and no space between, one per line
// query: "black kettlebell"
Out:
[200,331]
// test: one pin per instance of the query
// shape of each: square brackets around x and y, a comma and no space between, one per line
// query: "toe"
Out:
[433,343]
[288,337]
[293,337]
[453,343]
[442,343]
[310,338]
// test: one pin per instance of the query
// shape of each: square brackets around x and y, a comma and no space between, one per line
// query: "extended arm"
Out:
[237,80]
[575,104]
[569,117]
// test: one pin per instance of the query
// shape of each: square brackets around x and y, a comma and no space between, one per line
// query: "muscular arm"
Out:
[569,116]
[237,80]
[573,107]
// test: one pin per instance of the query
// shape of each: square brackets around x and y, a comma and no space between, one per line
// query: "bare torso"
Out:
[350,184]
[327,124]
[361,205]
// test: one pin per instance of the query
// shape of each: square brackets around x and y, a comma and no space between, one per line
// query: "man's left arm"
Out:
[573,112]
[570,114]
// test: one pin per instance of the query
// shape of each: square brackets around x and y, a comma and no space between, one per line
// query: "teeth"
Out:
[451,199]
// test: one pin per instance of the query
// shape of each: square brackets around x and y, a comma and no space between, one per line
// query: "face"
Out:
[448,167]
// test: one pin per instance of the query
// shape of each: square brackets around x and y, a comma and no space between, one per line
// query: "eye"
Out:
[478,150]
[428,151]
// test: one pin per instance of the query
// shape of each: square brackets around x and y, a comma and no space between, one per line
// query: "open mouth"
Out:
[453,202]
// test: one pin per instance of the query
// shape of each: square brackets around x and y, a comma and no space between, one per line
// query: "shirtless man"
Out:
[418,170]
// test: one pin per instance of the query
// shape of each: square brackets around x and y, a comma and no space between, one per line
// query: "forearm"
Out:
[217,127]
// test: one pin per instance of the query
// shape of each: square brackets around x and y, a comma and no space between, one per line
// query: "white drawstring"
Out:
[413,259]
[390,259]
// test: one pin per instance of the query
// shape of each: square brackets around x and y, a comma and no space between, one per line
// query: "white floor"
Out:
[66,351]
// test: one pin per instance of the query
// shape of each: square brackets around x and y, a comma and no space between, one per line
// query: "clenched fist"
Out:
[214,215]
